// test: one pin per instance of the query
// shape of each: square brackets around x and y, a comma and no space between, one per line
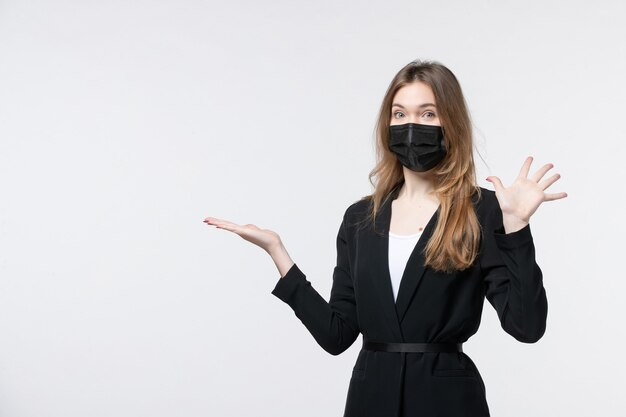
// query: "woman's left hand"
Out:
[522,198]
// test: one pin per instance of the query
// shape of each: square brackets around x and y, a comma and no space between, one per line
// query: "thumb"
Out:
[496,182]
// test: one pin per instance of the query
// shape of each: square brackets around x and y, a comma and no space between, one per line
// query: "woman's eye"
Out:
[433,114]
[398,112]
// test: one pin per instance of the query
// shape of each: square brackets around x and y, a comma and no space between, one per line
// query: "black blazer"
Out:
[430,307]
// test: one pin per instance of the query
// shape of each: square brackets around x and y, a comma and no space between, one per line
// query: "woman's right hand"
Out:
[264,238]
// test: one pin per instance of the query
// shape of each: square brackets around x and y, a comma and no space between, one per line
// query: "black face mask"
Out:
[418,147]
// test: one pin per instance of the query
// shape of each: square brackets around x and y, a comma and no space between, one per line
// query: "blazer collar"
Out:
[413,272]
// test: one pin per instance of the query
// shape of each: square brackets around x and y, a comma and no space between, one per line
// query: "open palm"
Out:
[264,238]
[522,198]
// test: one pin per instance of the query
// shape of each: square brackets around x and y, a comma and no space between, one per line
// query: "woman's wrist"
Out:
[281,258]
[513,224]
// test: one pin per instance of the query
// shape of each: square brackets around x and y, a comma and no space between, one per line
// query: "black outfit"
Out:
[431,308]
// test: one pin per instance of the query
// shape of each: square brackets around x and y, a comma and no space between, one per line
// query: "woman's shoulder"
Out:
[485,200]
[488,209]
[358,208]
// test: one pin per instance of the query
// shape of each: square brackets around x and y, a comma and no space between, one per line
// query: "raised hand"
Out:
[264,238]
[520,200]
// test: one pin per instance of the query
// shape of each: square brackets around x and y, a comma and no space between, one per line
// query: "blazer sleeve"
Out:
[512,279]
[333,324]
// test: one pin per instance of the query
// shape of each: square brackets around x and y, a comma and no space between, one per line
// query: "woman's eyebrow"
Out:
[419,107]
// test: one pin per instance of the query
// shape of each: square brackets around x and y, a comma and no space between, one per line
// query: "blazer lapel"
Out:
[394,311]
[382,279]
[414,269]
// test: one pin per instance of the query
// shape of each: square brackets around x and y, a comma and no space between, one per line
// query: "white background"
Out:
[124,124]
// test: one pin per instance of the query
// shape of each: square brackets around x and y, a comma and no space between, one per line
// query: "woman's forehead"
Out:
[414,95]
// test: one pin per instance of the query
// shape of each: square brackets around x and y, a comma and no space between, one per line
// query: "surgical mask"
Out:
[418,147]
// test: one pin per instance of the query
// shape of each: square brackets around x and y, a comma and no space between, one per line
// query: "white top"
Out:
[400,248]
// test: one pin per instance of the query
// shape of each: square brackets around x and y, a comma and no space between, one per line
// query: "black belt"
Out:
[412,347]
[409,347]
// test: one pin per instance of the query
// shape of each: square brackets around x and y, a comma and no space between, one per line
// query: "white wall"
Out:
[124,124]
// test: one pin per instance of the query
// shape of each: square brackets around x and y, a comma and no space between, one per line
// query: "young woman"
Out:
[417,258]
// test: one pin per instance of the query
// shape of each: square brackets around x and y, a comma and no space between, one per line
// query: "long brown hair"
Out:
[455,241]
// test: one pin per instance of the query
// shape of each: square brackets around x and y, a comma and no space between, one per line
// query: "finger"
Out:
[235,228]
[497,184]
[554,196]
[215,220]
[220,225]
[549,181]
[523,173]
[542,171]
